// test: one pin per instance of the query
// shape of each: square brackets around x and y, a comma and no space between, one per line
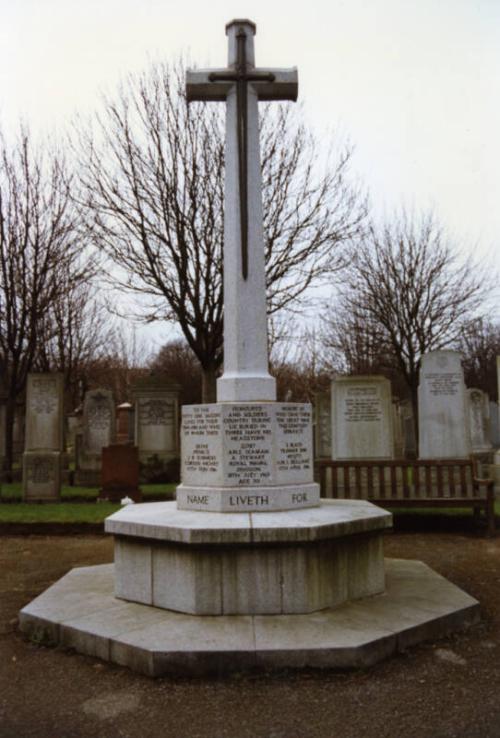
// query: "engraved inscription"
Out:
[362,404]
[156,412]
[201,421]
[248,436]
[43,395]
[201,459]
[444,384]
[40,470]
[293,453]
[248,500]
[99,416]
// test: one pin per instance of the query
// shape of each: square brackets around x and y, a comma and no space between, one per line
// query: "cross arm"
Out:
[284,87]
[200,87]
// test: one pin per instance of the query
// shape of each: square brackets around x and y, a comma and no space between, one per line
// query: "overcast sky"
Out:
[414,85]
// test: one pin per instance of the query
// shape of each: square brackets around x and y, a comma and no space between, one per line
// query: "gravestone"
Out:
[442,407]
[156,401]
[494,425]
[408,425]
[397,426]
[98,431]
[120,473]
[479,420]
[362,418]
[44,437]
[18,439]
[323,425]
[125,423]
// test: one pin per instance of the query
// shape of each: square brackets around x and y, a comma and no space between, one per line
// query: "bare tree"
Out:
[407,287]
[479,344]
[74,333]
[40,241]
[177,361]
[152,176]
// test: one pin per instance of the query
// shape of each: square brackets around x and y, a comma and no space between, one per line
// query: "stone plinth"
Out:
[80,612]
[211,564]
[41,476]
[362,418]
[247,456]
[442,407]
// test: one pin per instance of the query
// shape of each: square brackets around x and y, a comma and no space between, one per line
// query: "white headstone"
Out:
[362,418]
[44,437]
[157,419]
[479,420]
[442,407]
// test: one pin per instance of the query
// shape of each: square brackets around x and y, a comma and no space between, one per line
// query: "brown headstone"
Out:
[120,473]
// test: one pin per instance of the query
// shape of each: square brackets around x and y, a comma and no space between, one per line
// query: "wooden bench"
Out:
[409,483]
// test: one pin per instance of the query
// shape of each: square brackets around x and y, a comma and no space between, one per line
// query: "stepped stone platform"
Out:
[80,611]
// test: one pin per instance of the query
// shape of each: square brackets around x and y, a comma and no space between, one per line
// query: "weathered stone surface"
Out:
[80,612]
[44,437]
[41,476]
[202,563]
[156,419]
[98,431]
[323,425]
[479,420]
[362,418]
[44,419]
[443,419]
[163,521]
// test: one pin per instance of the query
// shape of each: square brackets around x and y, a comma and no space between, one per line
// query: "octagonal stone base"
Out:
[297,561]
[80,612]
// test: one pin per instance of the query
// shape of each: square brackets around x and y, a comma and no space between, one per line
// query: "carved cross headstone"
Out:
[241,85]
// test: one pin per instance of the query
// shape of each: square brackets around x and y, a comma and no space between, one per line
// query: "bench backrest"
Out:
[398,479]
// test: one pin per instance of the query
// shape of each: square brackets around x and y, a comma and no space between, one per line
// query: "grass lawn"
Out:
[92,512]
[150,491]
[67,511]
[62,512]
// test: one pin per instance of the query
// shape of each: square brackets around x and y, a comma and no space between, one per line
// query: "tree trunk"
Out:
[10,408]
[414,404]
[208,384]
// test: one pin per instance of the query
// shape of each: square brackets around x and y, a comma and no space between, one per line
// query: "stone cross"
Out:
[241,86]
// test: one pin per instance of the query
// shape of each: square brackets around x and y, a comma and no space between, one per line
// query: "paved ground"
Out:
[446,689]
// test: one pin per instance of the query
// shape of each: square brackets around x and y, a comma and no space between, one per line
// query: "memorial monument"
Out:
[99,431]
[248,568]
[44,438]
[362,418]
